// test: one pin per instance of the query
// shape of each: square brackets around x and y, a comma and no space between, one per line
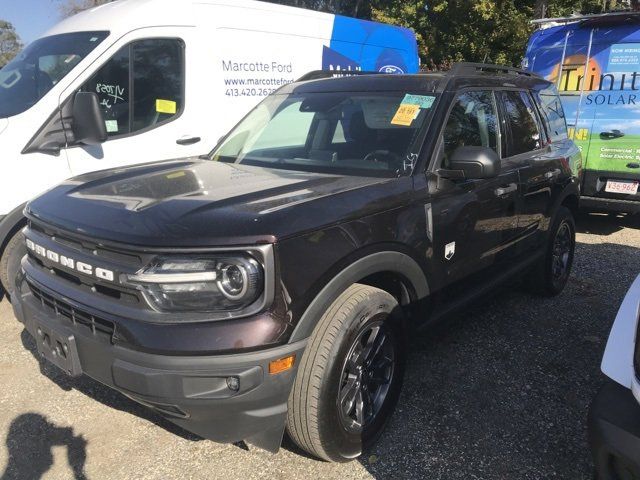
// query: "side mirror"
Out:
[88,125]
[473,163]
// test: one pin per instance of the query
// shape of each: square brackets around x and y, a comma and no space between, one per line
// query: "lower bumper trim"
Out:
[599,204]
[190,391]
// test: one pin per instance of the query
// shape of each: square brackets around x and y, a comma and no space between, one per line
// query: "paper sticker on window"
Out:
[166,106]
[405,115]
[423,101]
[111,125]
[175,175]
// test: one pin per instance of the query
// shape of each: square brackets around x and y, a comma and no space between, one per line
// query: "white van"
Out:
[143,80]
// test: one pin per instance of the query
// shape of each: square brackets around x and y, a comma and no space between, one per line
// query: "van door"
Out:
[613,163]
[143,97]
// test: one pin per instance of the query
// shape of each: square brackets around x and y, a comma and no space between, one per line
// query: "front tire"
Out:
[350,375]
[551,274]
[10,261]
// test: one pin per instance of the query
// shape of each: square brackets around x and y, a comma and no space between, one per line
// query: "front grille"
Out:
[91,248]
[76,316]
[93,253]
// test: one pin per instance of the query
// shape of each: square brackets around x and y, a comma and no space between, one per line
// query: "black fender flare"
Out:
[571,189]
[10,223]
[387,261]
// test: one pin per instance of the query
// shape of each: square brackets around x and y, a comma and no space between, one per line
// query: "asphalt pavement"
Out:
[501,392]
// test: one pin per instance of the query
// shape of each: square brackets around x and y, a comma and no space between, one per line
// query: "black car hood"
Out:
[195,202]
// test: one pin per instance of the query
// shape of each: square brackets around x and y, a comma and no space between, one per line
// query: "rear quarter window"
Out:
[553,114]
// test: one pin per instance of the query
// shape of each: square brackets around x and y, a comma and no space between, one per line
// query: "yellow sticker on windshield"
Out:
[173,175]
[405,115]
[166,106]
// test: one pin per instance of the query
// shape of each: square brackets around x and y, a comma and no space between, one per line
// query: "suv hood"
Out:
[3,124]
[195,202]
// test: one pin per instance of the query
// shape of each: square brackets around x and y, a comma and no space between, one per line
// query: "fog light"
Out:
[233,383]
[281,365]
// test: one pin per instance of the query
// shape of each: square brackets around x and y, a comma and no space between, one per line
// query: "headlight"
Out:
[204,283]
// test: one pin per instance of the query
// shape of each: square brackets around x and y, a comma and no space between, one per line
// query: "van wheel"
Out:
[10,261]
[551,274]
[350,375]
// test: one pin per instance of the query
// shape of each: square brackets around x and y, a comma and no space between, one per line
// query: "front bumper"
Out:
[190,391]
[614,433]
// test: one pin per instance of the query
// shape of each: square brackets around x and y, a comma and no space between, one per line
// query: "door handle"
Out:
[500,191]
[188,140]
[552,173]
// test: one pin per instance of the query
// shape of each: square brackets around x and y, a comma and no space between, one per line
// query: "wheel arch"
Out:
[10,224]
[569,197]
[379,269]
[572,201]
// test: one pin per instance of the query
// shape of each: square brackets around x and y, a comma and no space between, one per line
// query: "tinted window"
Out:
[471,123]
[551,108]
[140,86]
[524,135]
[40,66]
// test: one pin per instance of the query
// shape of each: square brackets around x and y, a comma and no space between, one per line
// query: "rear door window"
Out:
[523,133]
[141,86]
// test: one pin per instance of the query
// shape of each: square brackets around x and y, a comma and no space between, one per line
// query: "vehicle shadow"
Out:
[503,391]
[603,224]
[103,394]
[29,442]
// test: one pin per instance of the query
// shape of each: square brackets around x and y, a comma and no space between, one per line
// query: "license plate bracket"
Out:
[622,186]
[59,348]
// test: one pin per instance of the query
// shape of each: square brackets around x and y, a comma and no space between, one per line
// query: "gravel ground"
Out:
[501,392]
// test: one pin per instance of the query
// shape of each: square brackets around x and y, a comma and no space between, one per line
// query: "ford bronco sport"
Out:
[272,284]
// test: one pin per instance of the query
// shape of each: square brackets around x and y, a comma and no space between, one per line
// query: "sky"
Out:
[30,17]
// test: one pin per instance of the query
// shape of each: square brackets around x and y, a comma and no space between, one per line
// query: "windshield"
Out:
[367,134]
[35,71]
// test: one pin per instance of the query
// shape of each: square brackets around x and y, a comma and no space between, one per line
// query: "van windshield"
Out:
[364,133]
[40,66]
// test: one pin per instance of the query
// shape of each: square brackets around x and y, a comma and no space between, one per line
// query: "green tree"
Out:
[478,30]
[10,43]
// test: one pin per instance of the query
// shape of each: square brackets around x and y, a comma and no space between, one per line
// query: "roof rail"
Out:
[461,68]
[319,74]
[621,14]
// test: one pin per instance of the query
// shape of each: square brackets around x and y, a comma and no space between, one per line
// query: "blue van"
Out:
[594,60]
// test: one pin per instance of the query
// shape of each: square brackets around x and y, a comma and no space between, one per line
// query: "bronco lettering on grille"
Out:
[82,267]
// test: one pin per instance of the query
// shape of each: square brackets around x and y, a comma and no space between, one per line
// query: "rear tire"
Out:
[550,275]
[350,375]
[10,261]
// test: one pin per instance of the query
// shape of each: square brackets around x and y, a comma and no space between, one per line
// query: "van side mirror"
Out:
[88,125]
[472,163]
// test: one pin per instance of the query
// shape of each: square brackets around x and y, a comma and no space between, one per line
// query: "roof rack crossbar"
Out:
[319,74]
[470,68]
